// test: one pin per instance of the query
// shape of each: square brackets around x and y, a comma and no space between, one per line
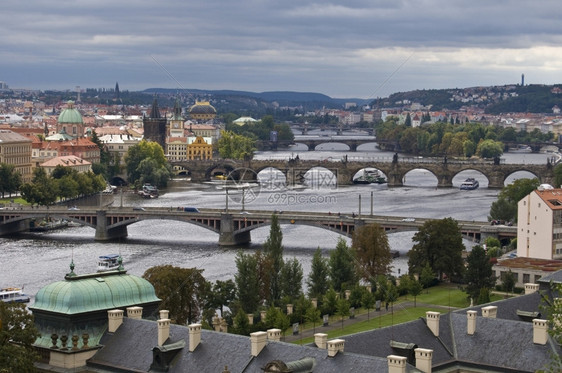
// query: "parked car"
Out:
[191,209]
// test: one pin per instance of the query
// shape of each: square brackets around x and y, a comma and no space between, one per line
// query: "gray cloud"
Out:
[342,49]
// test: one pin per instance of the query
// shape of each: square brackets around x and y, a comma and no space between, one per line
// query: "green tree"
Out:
[42,190]
[10,179]
[508,281]
[317,281]
[415,288]
[330,303]
[558,175]
[342,266]
[67,187]
[368,301]
[438,243]
[223,294]
[273,249]
[312,315]
[17,335]
[234,146]
[427,276]
[342,309]
[505,207]
[479,274]
[371,249]
[291,279]
[247,281]
[183,290]
[241,324]
[489,149]
[146,162]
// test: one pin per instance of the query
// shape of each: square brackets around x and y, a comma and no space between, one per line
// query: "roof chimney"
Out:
[471,322]
[396,364]
[274,335]
[134,313]
[540,331]
[321,339]
[335,346]
[531,288]
[251,318]
[433,322]
[164,314]
[115,320]
[194,336]
[163,331]
[258,340]
[490,311]
[424,357]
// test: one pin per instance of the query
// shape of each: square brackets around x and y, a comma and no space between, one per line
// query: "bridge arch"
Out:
[520,174]
[271,178]
[462,175]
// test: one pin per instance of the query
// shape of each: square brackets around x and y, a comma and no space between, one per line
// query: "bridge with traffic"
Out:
[233,227]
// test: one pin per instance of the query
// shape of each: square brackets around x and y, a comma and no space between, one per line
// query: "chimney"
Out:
[274,335]
[321,339]
[163,331]
[134,313]
[335,346]
[424,357]
[540,331]
[164,314]
[396,364]
[257,340]
[432,319]
[194,336]
[531,288]
[262,316]
[250,318]
[490,311]
[289,309]
[115,320]
[471,322]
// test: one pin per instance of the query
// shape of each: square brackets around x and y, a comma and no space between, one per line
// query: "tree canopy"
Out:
[342,266]
[505,207]
[439,244]
[146,163]
[372,251]
[479,274]
[17,335]
[234,146]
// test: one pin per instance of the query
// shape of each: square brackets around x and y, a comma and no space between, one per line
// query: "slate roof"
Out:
[129,349]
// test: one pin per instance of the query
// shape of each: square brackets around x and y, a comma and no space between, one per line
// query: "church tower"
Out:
[177,121]
[155,126]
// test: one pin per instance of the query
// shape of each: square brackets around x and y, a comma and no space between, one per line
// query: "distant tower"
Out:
[155,126]
[522,80]
[117,94]
[77,93]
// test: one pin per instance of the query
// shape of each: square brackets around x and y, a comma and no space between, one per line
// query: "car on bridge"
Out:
[191,209]
[409,220]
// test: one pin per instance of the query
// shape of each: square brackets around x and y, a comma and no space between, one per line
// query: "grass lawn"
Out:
[15,199]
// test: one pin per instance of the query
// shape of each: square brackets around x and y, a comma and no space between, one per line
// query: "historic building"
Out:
[155,126]
[202,111]
[15,150]
[177,122]
[199,148]
[71,161]
[70,121]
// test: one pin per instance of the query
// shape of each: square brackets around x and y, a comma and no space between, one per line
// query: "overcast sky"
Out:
[346,48]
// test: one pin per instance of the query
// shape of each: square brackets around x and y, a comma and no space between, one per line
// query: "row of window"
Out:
[525,280]
[15,149]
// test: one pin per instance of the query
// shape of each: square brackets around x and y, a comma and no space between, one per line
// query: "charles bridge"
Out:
[233,227]
[344,169]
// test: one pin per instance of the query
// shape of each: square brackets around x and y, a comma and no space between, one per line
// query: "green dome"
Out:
[70,114]
[95,292]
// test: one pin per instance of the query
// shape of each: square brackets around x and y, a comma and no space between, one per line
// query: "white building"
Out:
[539,224]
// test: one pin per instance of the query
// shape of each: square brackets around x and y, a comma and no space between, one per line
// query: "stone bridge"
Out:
[343,170]
[232,227]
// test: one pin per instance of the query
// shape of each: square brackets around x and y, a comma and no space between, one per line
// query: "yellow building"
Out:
[15,149]
[198,148]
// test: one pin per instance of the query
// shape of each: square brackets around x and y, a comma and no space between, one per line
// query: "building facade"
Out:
[155,126]
[15,150]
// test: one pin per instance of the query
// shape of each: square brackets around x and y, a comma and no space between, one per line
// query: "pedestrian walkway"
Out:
[335,323]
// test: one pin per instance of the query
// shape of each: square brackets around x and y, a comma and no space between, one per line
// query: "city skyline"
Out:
[363,49]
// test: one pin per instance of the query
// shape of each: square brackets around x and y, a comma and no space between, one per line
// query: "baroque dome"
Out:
[202,107]
[70,114]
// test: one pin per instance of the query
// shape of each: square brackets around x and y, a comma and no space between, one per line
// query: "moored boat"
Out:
[108,262]
[470,184]
[370,177]
[13,295]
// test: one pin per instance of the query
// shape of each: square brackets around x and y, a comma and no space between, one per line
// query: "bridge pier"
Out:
[14,227]
[227,235]
[103,233]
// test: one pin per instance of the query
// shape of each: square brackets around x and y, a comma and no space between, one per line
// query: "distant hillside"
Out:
[308,100]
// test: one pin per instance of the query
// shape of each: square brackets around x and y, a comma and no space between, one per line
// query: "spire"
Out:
[155,113]
[177,110]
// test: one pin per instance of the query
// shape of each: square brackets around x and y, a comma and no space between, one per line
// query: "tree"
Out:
[10,179]
[17,335]
[312,315]
[342,266]
[368,301]
[234,146]
[342,309]
[479,274]
[146,162]
[42,190]
[317,281]
[223,294]
[415,289]
[273,249]
[330,303]
[247,281]
[291,279]
[241,323]
[372,251]
[427,276]
[508,281]
[489,149]
[558,175]
[505,207]
[183,290]
[439,244]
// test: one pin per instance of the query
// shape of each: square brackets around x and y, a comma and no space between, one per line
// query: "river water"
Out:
[34,260]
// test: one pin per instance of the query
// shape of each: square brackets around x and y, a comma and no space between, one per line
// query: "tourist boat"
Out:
[148,191]
[370,177]
[13,295]
[108,262]
[469,184]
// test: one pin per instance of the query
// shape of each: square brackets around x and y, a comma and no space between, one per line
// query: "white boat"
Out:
[13,295]
[470,184]
[108,262]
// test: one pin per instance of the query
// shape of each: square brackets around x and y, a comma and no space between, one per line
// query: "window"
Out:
[526,278]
